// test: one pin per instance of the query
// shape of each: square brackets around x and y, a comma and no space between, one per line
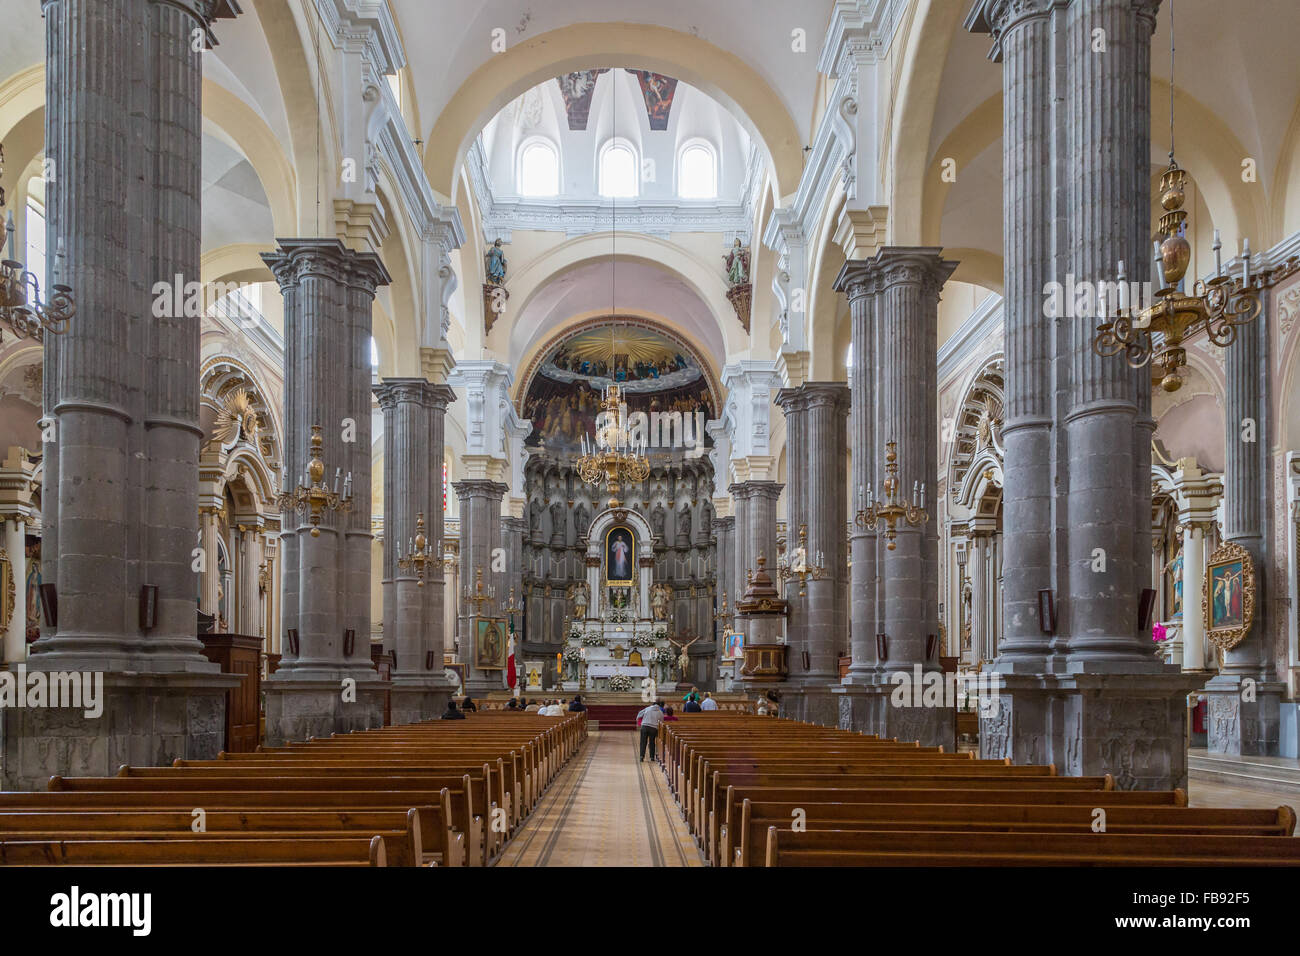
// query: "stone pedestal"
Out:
[1129,725]
[146,720]
[302,709]
[1243,715]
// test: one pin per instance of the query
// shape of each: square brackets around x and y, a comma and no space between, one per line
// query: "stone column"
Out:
[1193,582]
[328,294]
[121,460]
[1077,504]
[1244,698]
[480,533]
[794,403]
[413,442]
[759,517]
[208,584]
[978,586]
[15,638]
[250,598]
[742,561]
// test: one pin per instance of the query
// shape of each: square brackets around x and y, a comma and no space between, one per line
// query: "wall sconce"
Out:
[291,637]
[882,647]
[349,641]
[148,606]
[1046,611]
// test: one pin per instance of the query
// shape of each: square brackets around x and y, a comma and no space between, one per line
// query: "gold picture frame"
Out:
[1228,596]
[628,537]
[490,643]
[8,590]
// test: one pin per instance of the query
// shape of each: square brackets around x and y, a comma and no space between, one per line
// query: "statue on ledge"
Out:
[659,597]
[578,597]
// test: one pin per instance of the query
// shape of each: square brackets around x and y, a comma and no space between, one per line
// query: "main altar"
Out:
[619,634]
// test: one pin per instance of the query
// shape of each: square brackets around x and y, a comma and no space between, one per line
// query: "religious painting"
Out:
[1174,586]
[577,89]
[658,91]
[1228,602]
[620,555]
[733,645]
[489,643]
[8,593]
[33,592]
[655,372]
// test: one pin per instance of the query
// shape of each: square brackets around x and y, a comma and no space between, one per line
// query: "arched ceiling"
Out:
[643,288]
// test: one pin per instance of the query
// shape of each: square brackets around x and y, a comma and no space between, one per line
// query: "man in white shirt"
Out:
[649,719]
[708,703]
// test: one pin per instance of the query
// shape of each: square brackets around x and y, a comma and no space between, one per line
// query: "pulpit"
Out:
[764,663]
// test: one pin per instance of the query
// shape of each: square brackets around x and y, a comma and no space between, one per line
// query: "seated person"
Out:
[531,708]
[469,706]
[452,712]
[668,714]
[576,705]
[512,703]
[692,706]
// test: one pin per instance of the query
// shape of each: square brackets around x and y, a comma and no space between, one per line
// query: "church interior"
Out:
[905,393]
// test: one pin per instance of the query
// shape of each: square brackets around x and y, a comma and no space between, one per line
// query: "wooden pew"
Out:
[198,851]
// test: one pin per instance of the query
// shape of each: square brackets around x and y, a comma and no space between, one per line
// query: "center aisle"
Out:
[605,809]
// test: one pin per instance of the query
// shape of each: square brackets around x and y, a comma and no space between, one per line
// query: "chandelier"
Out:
[615,456]
[1154,334]
[798,565]
[312,496]
[419,553]
[479,594]
[891,509]
[23,310]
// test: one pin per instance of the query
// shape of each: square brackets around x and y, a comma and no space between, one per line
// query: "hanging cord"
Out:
[1171,82]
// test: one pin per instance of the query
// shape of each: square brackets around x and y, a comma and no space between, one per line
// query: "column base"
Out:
[298,710]
[145,721]
[1133,726]
[811,701]
[1239,727]
[412,700]
[871,709]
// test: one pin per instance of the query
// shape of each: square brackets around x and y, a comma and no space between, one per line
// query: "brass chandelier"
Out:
[891,509]
[798,565]
[419,553]
[313,497]
[614,457]
[1155,333]
[23,310]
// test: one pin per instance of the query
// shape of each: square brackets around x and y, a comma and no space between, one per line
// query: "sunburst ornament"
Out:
[237,416]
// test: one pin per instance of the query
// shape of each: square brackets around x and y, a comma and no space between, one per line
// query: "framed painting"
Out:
[1228,601]
[733,645]
[620,556]
[8,593]
[489,643]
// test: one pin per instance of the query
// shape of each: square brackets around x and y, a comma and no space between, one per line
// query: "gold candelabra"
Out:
[23,310]
[480,595]
[891,509]
[312,496]
[1218,305]
[798,565]
[614,457]
[419,553]
[724,614]
[511,607]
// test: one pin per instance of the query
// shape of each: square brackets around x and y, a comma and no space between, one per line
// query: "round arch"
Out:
[584,46]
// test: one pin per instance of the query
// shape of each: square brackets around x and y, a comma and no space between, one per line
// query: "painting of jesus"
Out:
[619,555]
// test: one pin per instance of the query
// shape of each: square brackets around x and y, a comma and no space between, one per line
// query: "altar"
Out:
[619,635]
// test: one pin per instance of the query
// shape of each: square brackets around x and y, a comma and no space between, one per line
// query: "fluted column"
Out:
[480,533]
[208,583]
[15,636]
[1243,723]
[413,437]
[826,503]
[328,295]
[794,403]
[759,516]
[250,598]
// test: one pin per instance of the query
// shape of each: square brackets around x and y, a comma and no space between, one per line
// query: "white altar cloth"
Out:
[609,670]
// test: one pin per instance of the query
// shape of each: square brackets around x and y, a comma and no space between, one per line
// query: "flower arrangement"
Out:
[661,632]
[641,639]
[620,682]
[572,654]
[1159,633]
[593,639]
[575,630]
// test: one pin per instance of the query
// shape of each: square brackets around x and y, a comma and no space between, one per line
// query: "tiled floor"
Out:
[605,809]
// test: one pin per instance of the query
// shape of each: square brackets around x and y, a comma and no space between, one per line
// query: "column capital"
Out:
[479,488]
[998,17]
[299,258]
[391,392]
[895,265]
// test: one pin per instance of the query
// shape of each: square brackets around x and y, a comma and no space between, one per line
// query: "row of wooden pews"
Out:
[762,792]
[437,793]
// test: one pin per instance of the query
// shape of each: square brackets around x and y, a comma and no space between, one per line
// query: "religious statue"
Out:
[657,522]
[496,264]
[578,597]
[581,520]
[737,260]
[557,521]
[659,596]
[1175,571]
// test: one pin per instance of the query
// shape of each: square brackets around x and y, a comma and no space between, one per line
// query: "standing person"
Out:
[708,703]
[648,720]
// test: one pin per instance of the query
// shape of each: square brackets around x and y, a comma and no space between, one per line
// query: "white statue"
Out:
[659,596]
[579,596]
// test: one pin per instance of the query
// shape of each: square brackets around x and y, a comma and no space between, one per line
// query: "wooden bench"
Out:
[197,850]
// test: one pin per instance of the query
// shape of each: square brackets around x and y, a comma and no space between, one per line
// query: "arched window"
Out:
[539,169]
[697,172]
[35,240]
[618,176]
[848,357]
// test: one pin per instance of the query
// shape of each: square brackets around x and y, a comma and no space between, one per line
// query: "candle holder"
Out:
[891,509]
[798,565]
[23,310]
[480,595]
[312,497]
[510,606]
[419,554]
[724,615]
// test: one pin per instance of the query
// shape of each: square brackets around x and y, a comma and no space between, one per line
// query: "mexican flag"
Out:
[510,677]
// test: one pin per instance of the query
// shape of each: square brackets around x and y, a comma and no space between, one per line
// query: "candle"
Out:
[1245,262]
[1160,265]
[1218,254]
[1123,288]
[923,496]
